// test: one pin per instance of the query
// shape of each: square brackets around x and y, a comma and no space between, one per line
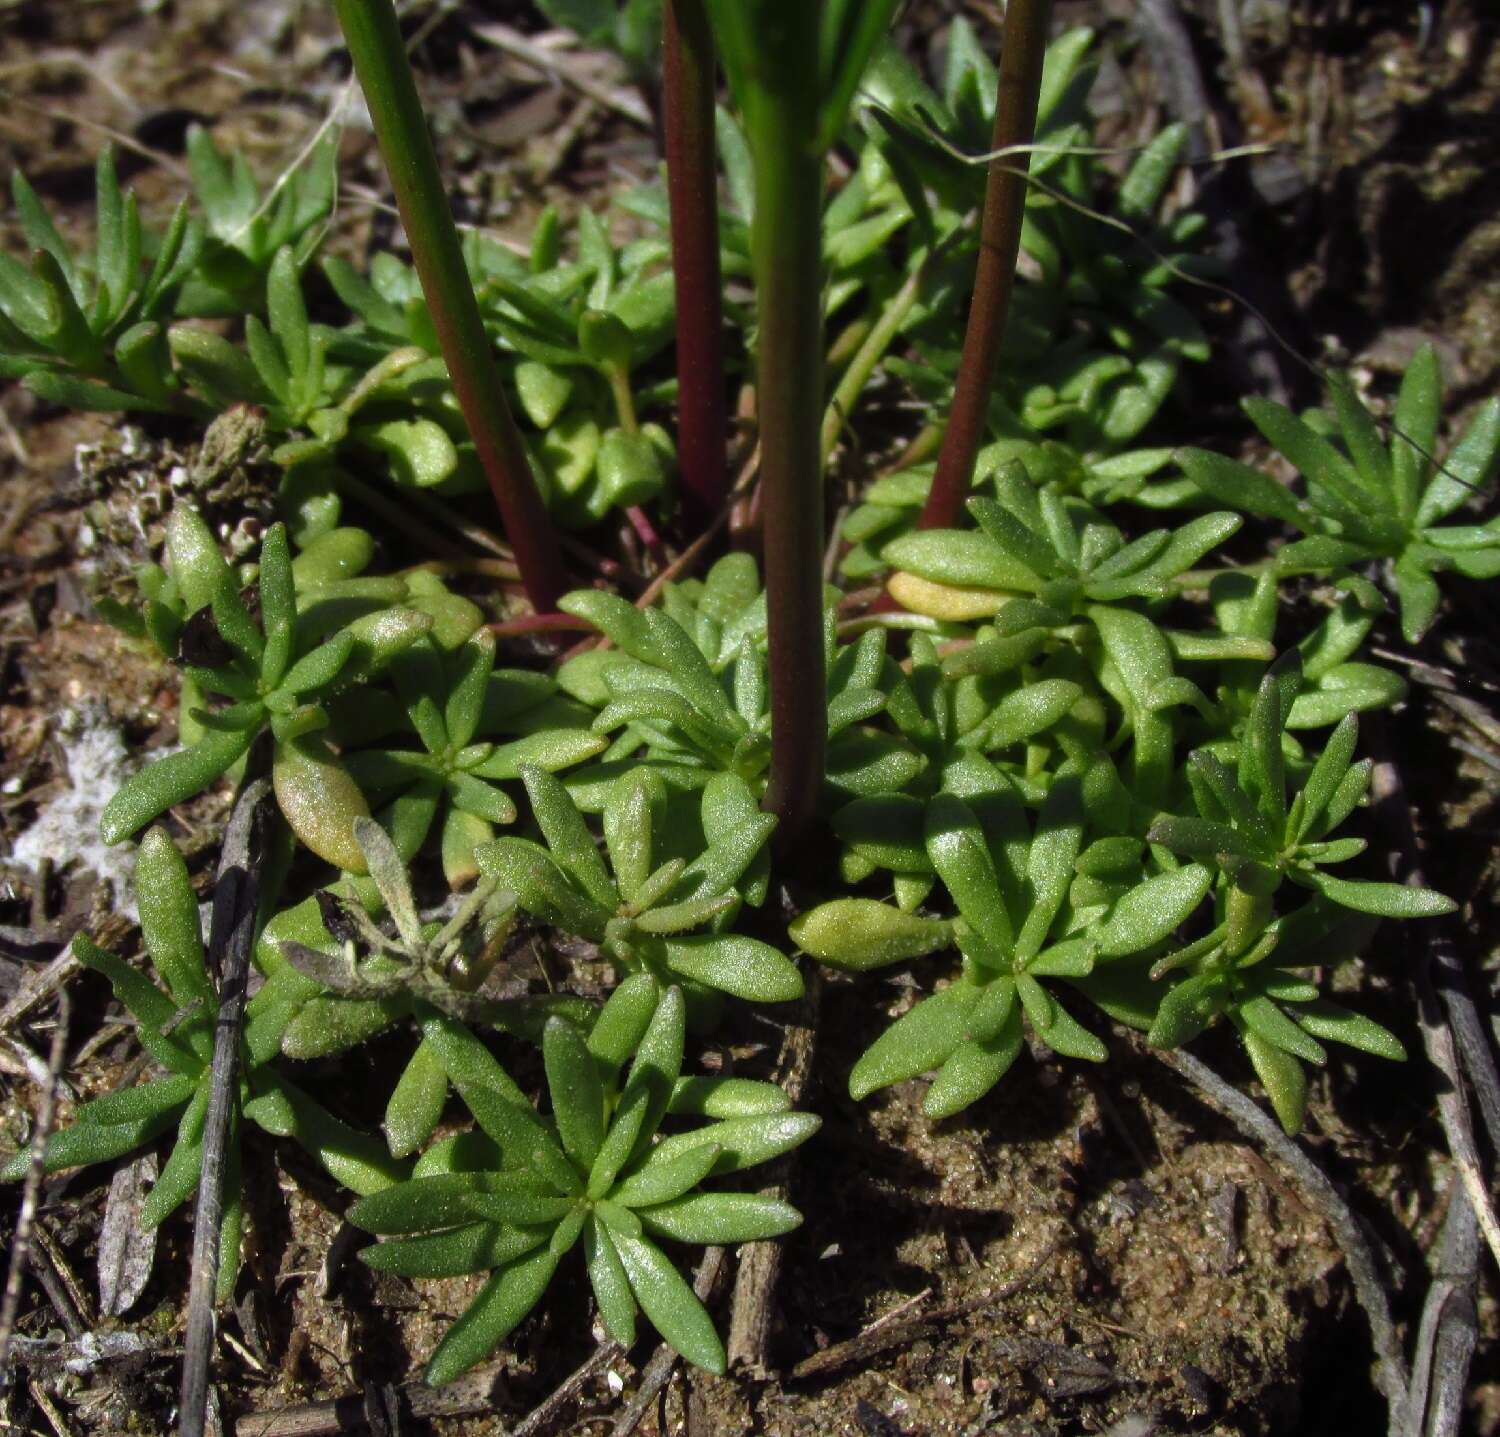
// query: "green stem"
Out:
[379,56]
[781,113]
[1023,48]
[872,351]
[619,388]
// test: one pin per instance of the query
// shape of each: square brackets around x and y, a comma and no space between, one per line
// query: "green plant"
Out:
[1054,754]
[175,1022]
[663,689]
[455,776]
[1017,925]
[1260,841]
[245,231]
[276,674]
[1055,554]
[331,999]
[518,1198]
[644,916]
[1367,499]
[86,330]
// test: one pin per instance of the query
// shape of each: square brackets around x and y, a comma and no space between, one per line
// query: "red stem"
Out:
[692,189]
[1023,48]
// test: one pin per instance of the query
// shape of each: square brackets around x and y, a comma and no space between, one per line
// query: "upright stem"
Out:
[692,189]
[786,247]
[379,56]
[1023,47]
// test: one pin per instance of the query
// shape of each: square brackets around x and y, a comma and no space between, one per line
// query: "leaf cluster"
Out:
[1369,497]
[515,1197]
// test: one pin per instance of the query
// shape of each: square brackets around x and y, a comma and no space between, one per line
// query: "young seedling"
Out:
[663,692]
[86,331]
[456,775]
[246,230]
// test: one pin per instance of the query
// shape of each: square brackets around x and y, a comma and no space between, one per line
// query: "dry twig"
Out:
[760,1262]
[231,938]
[1448,1331]
[10,1303]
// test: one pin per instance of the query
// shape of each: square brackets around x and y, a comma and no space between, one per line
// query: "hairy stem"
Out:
[786,246]
[375,45]
[692,190]
[1023,47]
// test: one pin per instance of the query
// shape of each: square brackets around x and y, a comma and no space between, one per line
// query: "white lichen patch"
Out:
[66,830]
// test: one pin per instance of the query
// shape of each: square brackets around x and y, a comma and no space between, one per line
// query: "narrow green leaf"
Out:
[628,823]
[154,1011]
[568,838]
[528,871]
[354,1157]
[1338,1025]
[742,1142]
[1186,1009]
[1282,1076]
[1326,775]
[416,1103]
[1371,460]
[957,849]
[670,1304]
[475,1247]
[1242,487]
[623,1022]
[661,1179]
[1385,900]
[170,923]
[1332,479]
[725,1097]
[1419,408]
[1268,1022]
[179,1175]
[1152,911]
[577,1094]
[974,1067]
[1056,1027]
[500,1307]
[85,1144]
[917,1043]
[736,964]
[423,1204]
[611,1283]
[1468,468]
[721,1218]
